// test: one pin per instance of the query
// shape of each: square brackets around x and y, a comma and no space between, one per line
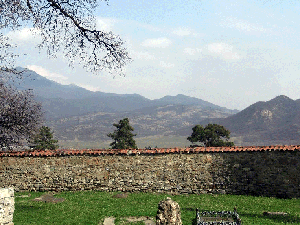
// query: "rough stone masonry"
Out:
[262,173]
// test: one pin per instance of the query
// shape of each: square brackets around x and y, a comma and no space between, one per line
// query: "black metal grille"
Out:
[218,218]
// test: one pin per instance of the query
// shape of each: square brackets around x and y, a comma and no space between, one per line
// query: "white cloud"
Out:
[105,24]
[223,50]
[45,73]
[25,34]
[182,31]
[166,64]
[242,25]
[192,51]
[141,55]
[157,42]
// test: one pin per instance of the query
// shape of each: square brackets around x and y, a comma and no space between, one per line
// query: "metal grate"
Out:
[218,218]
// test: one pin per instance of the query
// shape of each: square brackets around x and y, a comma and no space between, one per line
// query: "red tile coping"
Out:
[95,152]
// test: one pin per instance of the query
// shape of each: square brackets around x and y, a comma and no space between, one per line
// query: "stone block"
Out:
[168,213]
[7,206]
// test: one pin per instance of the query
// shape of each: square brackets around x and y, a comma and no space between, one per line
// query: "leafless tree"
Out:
[20,116]
[67,26]
[6,56]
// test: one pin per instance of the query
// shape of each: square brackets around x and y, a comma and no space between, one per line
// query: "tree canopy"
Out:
[67,26]
[123,137]
[44,139]
[20,116]
[213,135]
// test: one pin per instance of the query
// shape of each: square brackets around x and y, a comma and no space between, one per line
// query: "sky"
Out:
[230,53]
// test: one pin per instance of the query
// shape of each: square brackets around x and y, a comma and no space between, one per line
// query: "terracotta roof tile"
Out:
[160,150]
[70,152]
[123,151]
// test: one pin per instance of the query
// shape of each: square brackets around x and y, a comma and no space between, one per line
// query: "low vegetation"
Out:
[89,207]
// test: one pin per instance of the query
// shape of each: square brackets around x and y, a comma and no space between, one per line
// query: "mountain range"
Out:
[265,123]
[61,101]
[80,115]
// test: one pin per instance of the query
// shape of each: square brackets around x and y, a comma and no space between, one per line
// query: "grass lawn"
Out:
[88,207]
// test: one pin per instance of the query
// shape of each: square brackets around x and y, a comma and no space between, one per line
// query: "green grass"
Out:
[88,207]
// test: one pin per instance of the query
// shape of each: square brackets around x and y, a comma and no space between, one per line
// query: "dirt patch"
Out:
[121,195]
[48,198]
[129,220]
[145,219]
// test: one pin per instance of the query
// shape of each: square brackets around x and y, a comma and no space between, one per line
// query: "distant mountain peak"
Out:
[72,85]
[181,99]
[281,98]
[283,102]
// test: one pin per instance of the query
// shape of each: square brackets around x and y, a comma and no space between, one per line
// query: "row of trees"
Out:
[213,135]
[20,116]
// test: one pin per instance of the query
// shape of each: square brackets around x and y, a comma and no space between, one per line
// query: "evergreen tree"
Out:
[213,135]
[123,137]
[44,139]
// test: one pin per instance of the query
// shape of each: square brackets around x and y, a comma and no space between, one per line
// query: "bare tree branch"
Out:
[69,27]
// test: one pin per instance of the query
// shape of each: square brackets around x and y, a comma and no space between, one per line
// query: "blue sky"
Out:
[230,53]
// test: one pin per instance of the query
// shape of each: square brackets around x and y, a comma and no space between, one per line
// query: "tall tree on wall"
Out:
[66,26]
[20,116]
[213,135]
[44,139]
[123,137]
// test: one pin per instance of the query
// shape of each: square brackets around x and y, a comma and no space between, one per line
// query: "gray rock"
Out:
[168,213]
[48,198]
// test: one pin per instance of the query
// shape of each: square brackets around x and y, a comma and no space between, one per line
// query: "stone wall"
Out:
[7,206]
[267,173]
